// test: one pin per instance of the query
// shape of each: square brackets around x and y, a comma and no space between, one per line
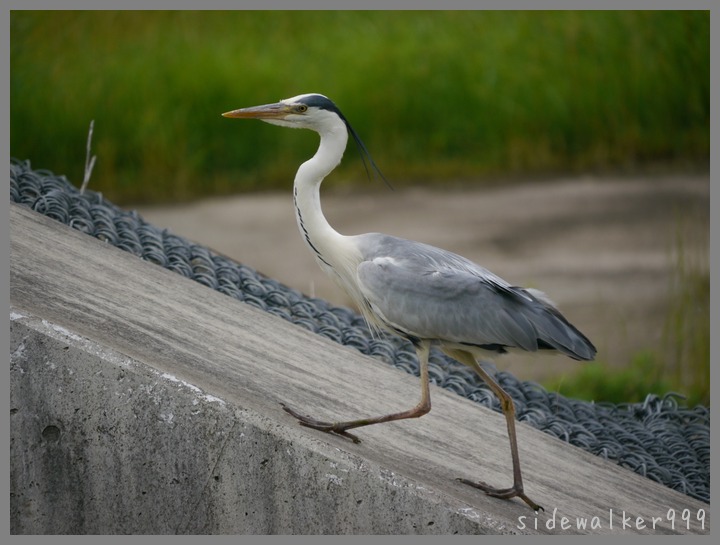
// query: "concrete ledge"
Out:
[143,402]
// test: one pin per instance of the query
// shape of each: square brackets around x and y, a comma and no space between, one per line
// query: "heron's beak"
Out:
[266,111]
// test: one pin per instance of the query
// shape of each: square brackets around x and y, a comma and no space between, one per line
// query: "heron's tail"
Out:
[555,332]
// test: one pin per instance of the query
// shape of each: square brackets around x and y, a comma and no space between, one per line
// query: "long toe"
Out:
[294,413]
[491,491]
[327,427]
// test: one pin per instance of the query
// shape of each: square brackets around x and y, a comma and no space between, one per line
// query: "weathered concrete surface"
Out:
[102,443]
[142,402]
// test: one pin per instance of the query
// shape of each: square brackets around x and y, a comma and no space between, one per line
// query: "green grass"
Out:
[435,95]
[632,383]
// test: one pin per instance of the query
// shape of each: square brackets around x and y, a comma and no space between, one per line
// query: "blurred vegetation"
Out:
[680,364]
[595,381]
[685,356]
[435,95]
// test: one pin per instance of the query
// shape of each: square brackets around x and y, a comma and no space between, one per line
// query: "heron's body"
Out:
[426,294]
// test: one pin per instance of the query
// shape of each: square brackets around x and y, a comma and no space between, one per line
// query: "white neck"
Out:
[323,240]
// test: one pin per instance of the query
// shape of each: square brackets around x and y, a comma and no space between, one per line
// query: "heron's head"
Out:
[309,111]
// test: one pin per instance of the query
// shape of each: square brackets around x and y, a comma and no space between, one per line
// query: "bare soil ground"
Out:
[602,249]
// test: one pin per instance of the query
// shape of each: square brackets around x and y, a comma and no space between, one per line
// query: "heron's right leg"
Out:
[508,408]
[340,428]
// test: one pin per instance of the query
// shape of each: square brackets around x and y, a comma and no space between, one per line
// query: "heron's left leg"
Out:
[340,428]
[508,409]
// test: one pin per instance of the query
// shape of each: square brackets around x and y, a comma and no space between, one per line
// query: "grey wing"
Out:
[431,294]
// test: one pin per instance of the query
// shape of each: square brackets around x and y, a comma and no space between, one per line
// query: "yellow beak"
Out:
[266,111]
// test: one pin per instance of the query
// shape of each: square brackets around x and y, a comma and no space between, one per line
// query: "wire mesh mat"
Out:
[659,438]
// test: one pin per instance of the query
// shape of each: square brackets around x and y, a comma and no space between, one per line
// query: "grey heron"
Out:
[428,295]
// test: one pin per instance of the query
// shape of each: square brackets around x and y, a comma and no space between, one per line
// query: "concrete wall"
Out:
[102,443]
[142,402]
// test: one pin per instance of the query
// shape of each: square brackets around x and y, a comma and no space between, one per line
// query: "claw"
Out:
[504,493]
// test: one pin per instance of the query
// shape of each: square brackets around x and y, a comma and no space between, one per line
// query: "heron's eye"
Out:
[301,108]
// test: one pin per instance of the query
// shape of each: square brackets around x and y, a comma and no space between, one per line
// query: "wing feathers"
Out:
[433,294]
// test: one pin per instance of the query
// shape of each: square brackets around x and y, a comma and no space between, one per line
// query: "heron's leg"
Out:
[508,409]
[340,428]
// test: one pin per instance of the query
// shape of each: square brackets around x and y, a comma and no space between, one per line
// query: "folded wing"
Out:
[429,293]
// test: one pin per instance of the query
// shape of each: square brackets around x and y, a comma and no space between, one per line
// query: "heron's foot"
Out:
[504,493]
[327,427]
